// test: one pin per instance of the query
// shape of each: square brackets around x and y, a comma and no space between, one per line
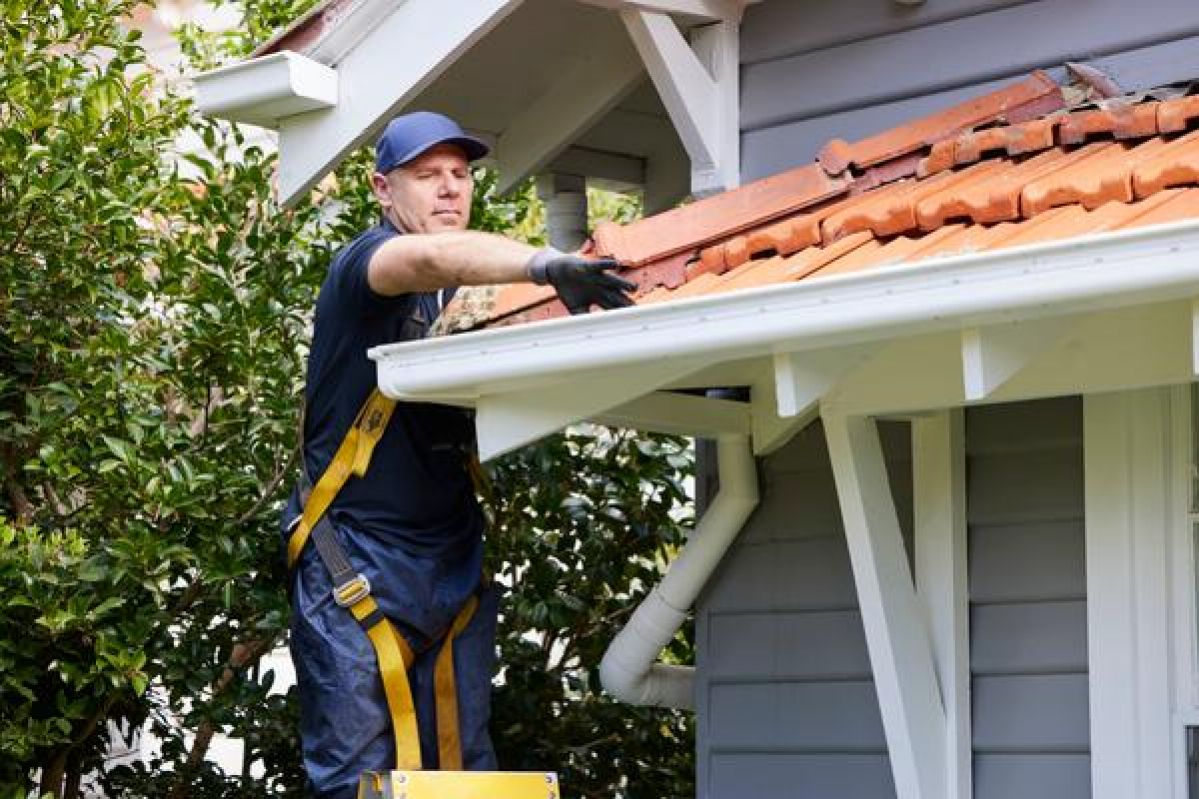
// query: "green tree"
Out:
[154,315]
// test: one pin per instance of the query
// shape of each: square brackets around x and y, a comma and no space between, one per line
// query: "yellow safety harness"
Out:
[352,590]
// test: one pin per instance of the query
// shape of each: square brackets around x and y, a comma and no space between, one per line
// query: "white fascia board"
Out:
[1112,270]
[264,90]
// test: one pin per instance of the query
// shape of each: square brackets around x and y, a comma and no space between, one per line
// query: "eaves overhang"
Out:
[1097,313]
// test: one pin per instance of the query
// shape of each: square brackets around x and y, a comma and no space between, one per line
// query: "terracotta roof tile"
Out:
[1175,116]
[1054,177]
[713,218]
[1131,122]
[1176,164]
[1038,89]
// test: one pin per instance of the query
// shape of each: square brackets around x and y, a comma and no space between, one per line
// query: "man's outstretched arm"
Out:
[432,261]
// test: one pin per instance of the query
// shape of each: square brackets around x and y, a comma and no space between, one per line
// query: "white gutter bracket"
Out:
[994,354]
[698,84]
[629,670]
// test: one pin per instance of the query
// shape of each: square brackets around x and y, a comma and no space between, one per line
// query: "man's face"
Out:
[429,194]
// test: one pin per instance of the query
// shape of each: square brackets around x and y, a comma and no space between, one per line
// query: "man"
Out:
[410,525]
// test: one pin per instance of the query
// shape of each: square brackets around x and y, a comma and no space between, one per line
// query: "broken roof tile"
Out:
[1038,89]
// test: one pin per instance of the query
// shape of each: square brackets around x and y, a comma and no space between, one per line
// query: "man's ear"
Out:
[381,189]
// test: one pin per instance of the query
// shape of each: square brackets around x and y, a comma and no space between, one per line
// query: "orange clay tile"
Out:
[691,226]
[1176,164]
[892,209]
[781,238]
[1058,187]
[1175,116]
[518,296]
[1128,122]
[1181,204]
[993,199]
[1103,177]
[1028,137]
[939,159]
[670,272]
[1037,89]
[795,267]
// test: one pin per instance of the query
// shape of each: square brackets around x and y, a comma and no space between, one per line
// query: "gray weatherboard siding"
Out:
[822,69]
[786,701]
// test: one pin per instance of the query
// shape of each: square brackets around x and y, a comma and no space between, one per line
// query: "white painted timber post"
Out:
[901,655]
[565,198]
[1129,524]
[939,499]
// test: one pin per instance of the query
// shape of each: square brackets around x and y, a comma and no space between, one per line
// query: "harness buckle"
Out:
[349,593]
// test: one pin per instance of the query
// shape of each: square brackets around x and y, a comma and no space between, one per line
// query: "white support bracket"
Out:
[789,399]
[698,85]
[897,636]
[680,415]
[312,144]
[510,420]
[582,94]
[993,355]
[939,502]
[707,10]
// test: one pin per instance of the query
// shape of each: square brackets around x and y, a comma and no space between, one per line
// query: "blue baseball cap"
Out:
[409,135]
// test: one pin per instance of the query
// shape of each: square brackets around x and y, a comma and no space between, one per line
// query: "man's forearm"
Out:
[431,261]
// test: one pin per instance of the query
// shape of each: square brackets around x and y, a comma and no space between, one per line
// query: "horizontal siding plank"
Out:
[745,775]
[1044,636]
[929,59]
[1041,485]
[815,716]
[1031,712]
[782,28]
[812,574]
[787,646]
[1032,776]
[1024,426]
[795,505]
[1009,563]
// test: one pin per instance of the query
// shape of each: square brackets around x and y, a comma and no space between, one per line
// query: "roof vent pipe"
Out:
[629,670]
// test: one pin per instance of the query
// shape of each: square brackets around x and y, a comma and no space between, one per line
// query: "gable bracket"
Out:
[698,84]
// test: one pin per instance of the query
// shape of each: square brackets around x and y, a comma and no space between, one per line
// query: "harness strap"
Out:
[352,591]
[352,457]
[449,741]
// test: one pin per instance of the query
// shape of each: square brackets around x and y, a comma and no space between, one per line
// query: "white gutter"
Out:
[629,670]
[1111,270]
[266,89]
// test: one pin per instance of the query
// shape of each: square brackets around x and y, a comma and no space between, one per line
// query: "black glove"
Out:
[580,282]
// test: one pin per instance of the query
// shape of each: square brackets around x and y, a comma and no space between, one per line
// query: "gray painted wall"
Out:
[785,697]
[820,69]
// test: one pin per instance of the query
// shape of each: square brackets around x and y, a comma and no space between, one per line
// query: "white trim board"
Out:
[1129,519]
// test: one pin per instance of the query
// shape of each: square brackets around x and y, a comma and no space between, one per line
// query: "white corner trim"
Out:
[939,501]
[264,90]
[310,145]
[699,90]
[993,355]
[586,91]
[897,636]
[1129,519]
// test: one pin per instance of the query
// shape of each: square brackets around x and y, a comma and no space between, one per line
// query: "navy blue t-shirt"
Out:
[417,492]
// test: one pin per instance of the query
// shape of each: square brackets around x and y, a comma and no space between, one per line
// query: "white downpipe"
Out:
[630,671]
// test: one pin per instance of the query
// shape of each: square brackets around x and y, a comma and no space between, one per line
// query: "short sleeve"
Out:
[348,274]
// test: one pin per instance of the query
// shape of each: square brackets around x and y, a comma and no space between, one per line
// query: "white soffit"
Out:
[1124,299]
